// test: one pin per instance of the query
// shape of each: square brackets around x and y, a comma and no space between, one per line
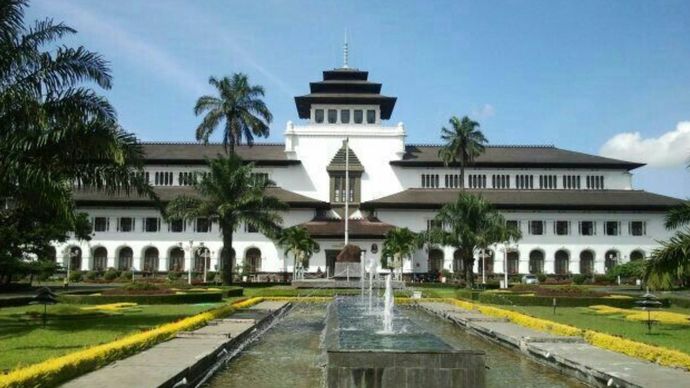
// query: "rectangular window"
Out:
[177,226]
[562,228]
[100,224]
[203,225]
[433,225]
[513,224]
[536,228]
[125,224]
[151,224]
[371,116]
[318,116]
[332,116]
[587,228]
[250,228]
[345,116]
[638,228]
[612,228]
[359,116]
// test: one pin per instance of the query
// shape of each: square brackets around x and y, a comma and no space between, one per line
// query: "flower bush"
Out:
[60,369]
[664,317]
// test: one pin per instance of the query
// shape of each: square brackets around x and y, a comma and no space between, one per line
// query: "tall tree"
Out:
[54,132]
[469,224]
[296,240]
[398,244]
[229,195]
[463,143]
[238,107]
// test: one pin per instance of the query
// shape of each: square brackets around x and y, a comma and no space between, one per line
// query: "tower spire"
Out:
[346,53]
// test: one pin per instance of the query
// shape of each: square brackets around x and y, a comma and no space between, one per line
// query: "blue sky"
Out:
[602,77]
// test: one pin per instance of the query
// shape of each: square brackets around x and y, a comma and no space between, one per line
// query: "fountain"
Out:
[388,307]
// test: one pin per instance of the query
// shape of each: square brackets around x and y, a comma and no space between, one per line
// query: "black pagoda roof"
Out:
[345,86]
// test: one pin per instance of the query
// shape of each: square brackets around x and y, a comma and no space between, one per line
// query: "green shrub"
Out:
[198,297]
[629,270]
[466,294]
[126,275]
[174,275]
[111,274]
[233,291]
[524,300]
[75,276]
[541,277]
[93,275]
[580,279]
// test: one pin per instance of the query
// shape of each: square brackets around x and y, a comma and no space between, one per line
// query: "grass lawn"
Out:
[25,341]
[669,336]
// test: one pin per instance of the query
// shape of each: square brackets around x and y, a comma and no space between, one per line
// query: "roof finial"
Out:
[346,53]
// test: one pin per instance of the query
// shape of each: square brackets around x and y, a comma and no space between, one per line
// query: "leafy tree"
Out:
[469,224]
[464,142]
[54,132]
[238,106]
[298,241]
[399,244]
[230,196]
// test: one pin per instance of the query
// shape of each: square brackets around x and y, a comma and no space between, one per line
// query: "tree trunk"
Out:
[227,256]
[468,260]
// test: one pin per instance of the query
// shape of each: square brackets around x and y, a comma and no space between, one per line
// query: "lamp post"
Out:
[507,247]
[189,268]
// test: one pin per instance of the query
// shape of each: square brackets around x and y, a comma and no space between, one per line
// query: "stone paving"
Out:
[571,355]
[172,362]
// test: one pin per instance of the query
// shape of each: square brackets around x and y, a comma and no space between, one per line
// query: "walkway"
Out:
[184,359]
[571,355]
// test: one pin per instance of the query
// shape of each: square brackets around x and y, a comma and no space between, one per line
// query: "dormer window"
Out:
[345,116]
[332,116]
[371,116]
[318,116]
[359,116]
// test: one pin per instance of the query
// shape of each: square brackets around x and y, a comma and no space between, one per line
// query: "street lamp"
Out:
[206,255]
[507,247]
[189,267]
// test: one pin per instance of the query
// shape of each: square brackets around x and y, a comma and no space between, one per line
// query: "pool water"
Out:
[289,355]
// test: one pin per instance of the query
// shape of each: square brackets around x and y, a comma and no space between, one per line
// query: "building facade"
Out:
[578,213]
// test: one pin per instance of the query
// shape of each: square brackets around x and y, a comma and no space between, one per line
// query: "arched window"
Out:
[561,262]
[124,259]
[151,260]
[636,255]
[253,258]
[435,260]
[75,258]
[458,264]
[513,262]
[586,262]
[201,256]
[176,260]
[487,260]
[536,262]
[100,259]
[611,259]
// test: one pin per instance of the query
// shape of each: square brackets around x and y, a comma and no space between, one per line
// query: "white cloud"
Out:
[155,59]
[671,149]
[484,112]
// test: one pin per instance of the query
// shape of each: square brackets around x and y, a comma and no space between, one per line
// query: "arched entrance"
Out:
[458,264]
[253,259]
[100,259]
[586,262]
[513,262]
[611,259]
[561,262]
[486,260]
[176,260]
[201,256]
[124,259]
[75,258]
[536,262]
[636,255]
[151,260]
[435,260]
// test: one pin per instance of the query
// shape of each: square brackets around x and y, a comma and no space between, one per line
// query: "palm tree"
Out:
[470,223]
[399,244]
[238,106]
[671,261]
[296,240]
[230,196]
[54,132]
[464,142]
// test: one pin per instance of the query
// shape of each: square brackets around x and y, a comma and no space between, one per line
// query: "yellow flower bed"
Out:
[665,317]
[299,299]
[110,306]
[658,354]
[56,370]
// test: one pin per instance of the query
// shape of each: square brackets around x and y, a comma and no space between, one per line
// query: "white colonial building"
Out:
[578,213]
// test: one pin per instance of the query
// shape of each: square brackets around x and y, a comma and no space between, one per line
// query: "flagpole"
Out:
[347,189]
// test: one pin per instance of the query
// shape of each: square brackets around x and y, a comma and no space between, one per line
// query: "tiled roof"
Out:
[167,193]
[357,228]
[195,153]
[516,156]
[530,199]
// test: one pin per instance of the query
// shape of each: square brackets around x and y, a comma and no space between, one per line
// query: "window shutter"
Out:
[107,224]
[594,228]
[644,228]
[117,227]
[579,227]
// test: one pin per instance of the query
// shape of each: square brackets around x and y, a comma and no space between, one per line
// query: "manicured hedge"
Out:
[197,297]
[464,293]
[525,300]
[329,292]
[678,302]
[15,301]
[233,291]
